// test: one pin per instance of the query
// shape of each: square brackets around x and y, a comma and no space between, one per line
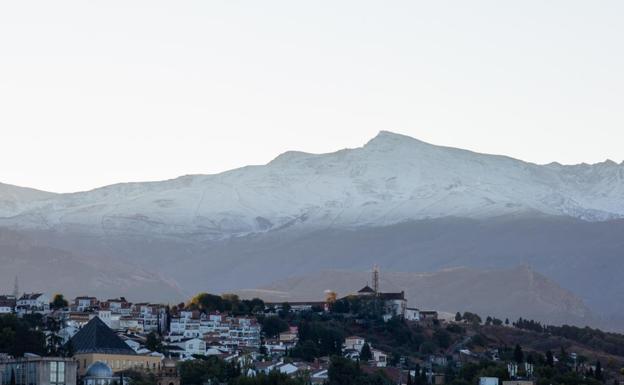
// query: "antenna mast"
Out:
[15,288]
[376,279]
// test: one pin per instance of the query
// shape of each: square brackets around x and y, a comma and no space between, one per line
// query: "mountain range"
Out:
[404,204]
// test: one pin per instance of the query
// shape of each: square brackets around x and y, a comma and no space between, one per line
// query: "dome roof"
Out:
[100,370]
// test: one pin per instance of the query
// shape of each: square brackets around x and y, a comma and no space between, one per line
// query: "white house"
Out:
[412,314]
[288,369]
[33,303]
[84,303]
[105,316]
[380,358]
[354,343]
[194,346]
[7,304]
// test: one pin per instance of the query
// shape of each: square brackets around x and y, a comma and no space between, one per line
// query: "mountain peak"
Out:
[385,139]
[289,156]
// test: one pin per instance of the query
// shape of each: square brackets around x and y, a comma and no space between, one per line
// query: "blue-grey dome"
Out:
[99,369]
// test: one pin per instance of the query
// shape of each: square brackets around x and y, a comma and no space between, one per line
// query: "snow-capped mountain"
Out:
[397,202]
[391,179]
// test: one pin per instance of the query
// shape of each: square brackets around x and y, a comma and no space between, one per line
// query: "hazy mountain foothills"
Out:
[512,293]
[397,202]
[44,268]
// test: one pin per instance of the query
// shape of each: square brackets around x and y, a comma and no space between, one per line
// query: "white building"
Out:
[488,381]
[7,304]
[231,331]
[412,314]
[84,303]
[380,358]
[354,343]
[33,303]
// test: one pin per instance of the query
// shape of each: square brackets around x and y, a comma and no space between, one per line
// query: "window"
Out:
[61,372]
[53,372]
[57,373]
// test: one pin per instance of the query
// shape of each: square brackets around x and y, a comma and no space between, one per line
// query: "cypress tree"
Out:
[550,360]
[598,372]
[518,354]
[366,354]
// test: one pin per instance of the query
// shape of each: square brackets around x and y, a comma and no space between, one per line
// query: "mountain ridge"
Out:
[392,178]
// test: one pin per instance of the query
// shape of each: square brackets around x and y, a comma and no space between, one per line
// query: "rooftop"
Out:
[96,337]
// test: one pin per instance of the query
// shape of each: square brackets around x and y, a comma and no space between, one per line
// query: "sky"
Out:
[94,93]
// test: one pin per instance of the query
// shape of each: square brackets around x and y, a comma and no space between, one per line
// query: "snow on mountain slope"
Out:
[15,199]
[393,178]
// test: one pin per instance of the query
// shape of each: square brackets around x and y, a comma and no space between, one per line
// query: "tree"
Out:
[207,302]
[506,321]
[307,351]
[366,354]
[285,310]
[59,302]
[343,371]
[19,335]
[273,326]
[328,337]
[518,354]
[598,371]
[550,360]
[442,338]
[458,316]
[68,349]
[209,370]
[153,343]
[472,318]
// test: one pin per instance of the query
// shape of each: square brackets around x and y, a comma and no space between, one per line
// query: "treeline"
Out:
[318,339]
[229,303]
[612,343]
[214,370]
[19,335]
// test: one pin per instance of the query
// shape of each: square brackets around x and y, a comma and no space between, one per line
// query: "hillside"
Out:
[510,293]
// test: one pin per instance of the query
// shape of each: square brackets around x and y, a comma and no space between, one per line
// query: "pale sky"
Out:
[93,93]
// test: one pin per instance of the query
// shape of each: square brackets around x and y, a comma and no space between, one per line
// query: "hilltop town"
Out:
[368,336]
